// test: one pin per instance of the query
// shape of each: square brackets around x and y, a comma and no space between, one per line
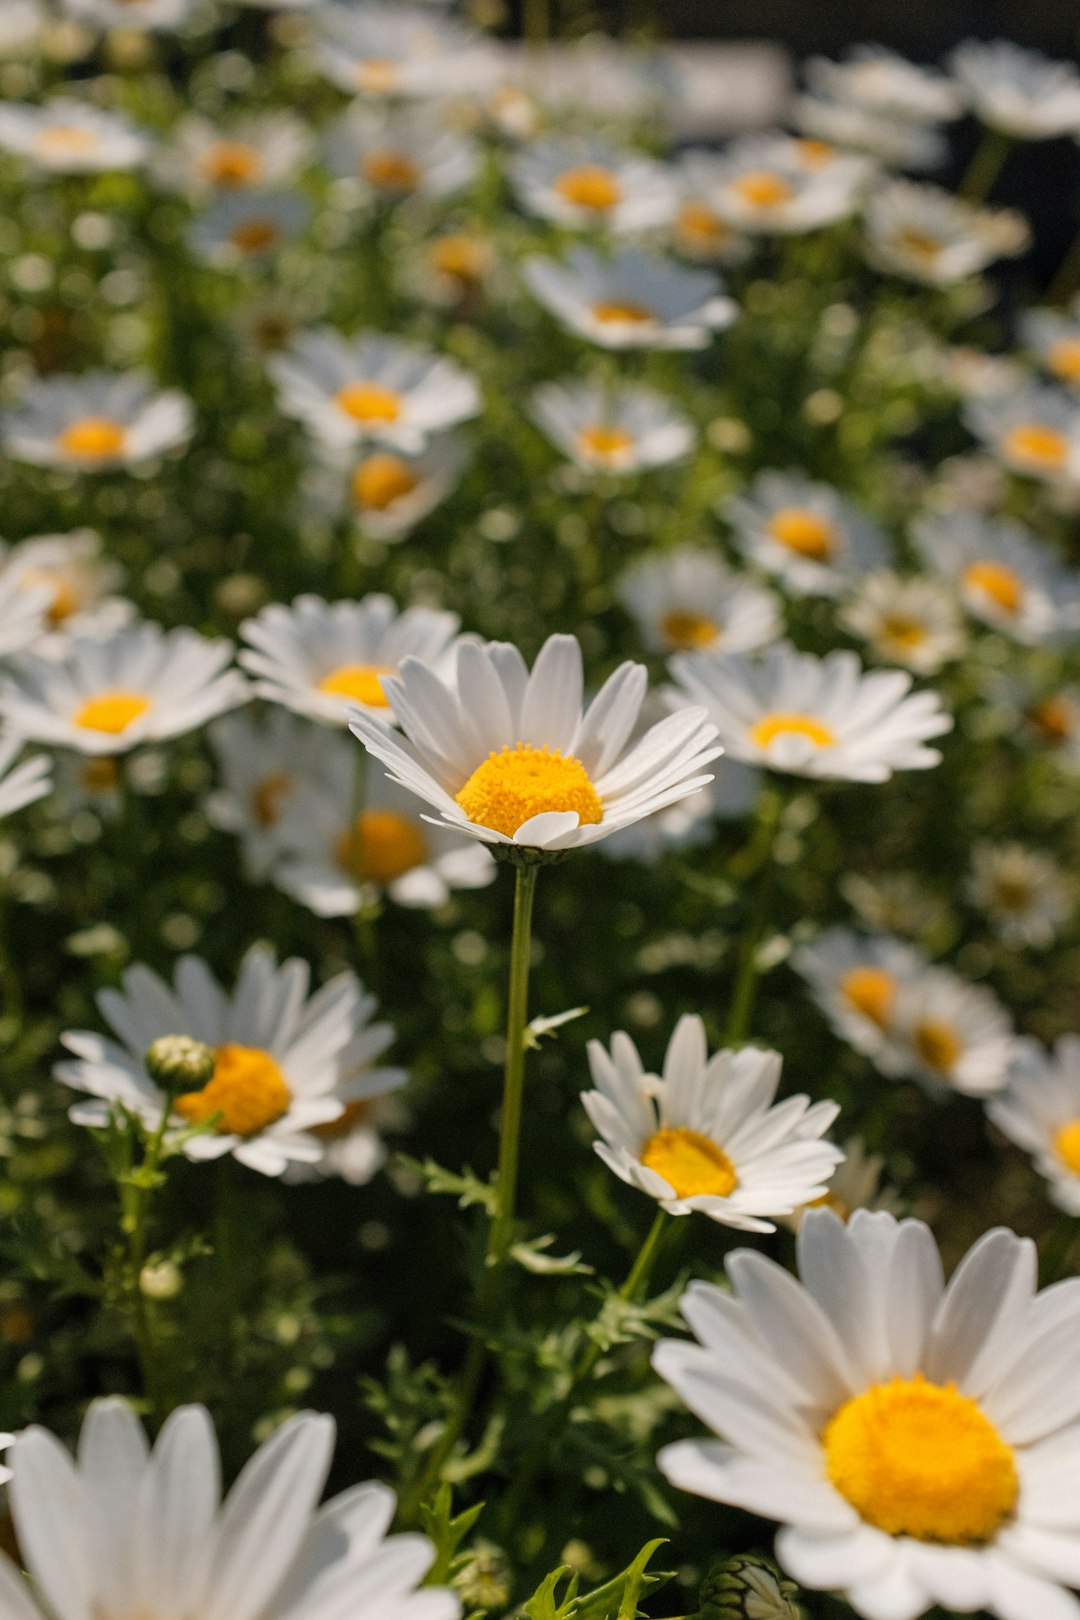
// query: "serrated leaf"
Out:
[462,1185]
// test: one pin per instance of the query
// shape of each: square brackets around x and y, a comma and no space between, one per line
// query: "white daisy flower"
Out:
[256,150]
[819,717]
[913,1439]
[707,1135]
[323,659]
[261,762]
[23,609]
[510,757]
[247,226]
[631,300]
[286,1060]
[454,270]
[372,387]
[855,981]
[951,1035]
[855,1184]
[899,143]
[95,422]
[400,152]
[1002,574]
[806,534]
[1035,432]
[927,235]
[910,621]
[147,1527]
[389,494]
[688,599]
[343,843]
[620,430]
[380,50]
[64,136]
[1019,92]
[109,694]
[23,784]
[765,190]
[881,81]
[1039,1110]
[1025,893]
[1053,337]
[353,1149]
[149,15]
[698,230]
[77,582]
[589,184]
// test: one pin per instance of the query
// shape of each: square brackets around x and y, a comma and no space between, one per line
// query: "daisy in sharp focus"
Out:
[287,1060]
[929,236]
[401,152]
[617,430]
[372,387]
[96,422]
[707,1136]
[690,600]
[592,185]
[819,717]
[1039,1110]
[1019,92]
[253,151]
[912,1438]
[247,227]
[1035,432]
[806,534]
[511,758]
[950,1035]
[64,136]
[855,980]
[1003,575]
[911,621]
[23,784]
[764,190]
[324,659]
[146,1530]
[109,694]
[1024,893]
[882,81]
[630,300]
[77,582]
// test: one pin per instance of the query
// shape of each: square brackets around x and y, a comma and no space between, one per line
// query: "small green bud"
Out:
[748,1587]
[162,1280]
[179,1063]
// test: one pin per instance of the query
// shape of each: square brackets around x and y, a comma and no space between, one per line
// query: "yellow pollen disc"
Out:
[920,1459]
[871,991]
[686,630]
[771,726]
[67,140]
[1064,359]
[1067,1145]
[510,788]
[247,1089]
[232,163]
[267,796]
[608,443]
[381,480]
[93,437]
[806,533]
[937,1045]
[390,171]
[361,682]
[111,711]
[255,235]
[699,227]
[368,402]
[763,189]
[381,845]
[904,633]
[334,1130]
[1054,718]
[377,77]
[464,258]
[591,186]
[815,154]
[1039,445]
[622,314]
[920,244]
[693,1166]
[99,775]
[1003,585]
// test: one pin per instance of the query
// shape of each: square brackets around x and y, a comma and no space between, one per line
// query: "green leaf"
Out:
[462,1185]
[531,1255]
[541,1026]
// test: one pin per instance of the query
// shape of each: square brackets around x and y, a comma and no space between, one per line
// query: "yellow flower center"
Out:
[590,186]
[464,258]
[1054,717]
[771,726]
[390,171]
[871,991]
[232,163]
[1064,359]
[111,711]
[898,631]
[1036,444]
[606,443]
[686,630]
[806,533]
[511,787]
[361,682]
[920,1459]
[699,227]
[815,154]
[937,1045]
[920,244]
[377,76]
[267,796]
[67,140]
[381,480]
[1003,585]
[619,313]
[247,1089]
[66,598]
[692,1165]
[334,1130]
[255,235]
[381,845]
[764,189]
[1067,1145]
[94,438]
[368,402]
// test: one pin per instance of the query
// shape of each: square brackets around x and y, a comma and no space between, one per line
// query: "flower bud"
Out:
[748,1587]
[179,1063]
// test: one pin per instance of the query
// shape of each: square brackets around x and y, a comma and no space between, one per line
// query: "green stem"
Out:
[636,1280]
[759,854]
[985,165]
[136,1224]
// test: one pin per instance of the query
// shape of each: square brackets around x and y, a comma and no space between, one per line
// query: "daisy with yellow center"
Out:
[706,1136]
[1034,431]
[905,619]
[611,430]
[934,238]
[1026,896]
[591,185]
[247,224]
[232,163]
[806,534]
[95,422]
[856,981]
[630,299]
[1039,1110]
[1003,574]
[950,1034]
[766,186]
[69,136]
[688,600]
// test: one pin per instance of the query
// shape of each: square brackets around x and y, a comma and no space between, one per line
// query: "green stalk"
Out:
[136,1217]
[985,166]
[756,860]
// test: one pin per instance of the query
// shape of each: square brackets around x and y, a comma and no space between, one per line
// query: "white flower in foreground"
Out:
[323,659]
[378,50]
[805,533]
[95,422]
[1039,1110]
[882,81]
[690,600]
[407,151]
[126,14]
[631,300]
[910,621]
[1003,575]
[146,1531]
[707,1135]
[1035,431]
[141,684]
[1025,893]
[372,387]
[77,582]
[855,981]
[914,1440]
[510,757]
[261,763]
[64,136]
[247,226]
[900,143]
[25,783]
[286,1060]
[950,1035]
[927,235]
[820,717]
[343,843]
[612,430]
[592,185]
[1053,337]
[765,190]
[389,494]
[255,150]
[1019,92]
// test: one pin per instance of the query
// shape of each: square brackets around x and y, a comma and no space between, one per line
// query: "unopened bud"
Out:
[748,1587]
[179,1063]
[161,1281]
